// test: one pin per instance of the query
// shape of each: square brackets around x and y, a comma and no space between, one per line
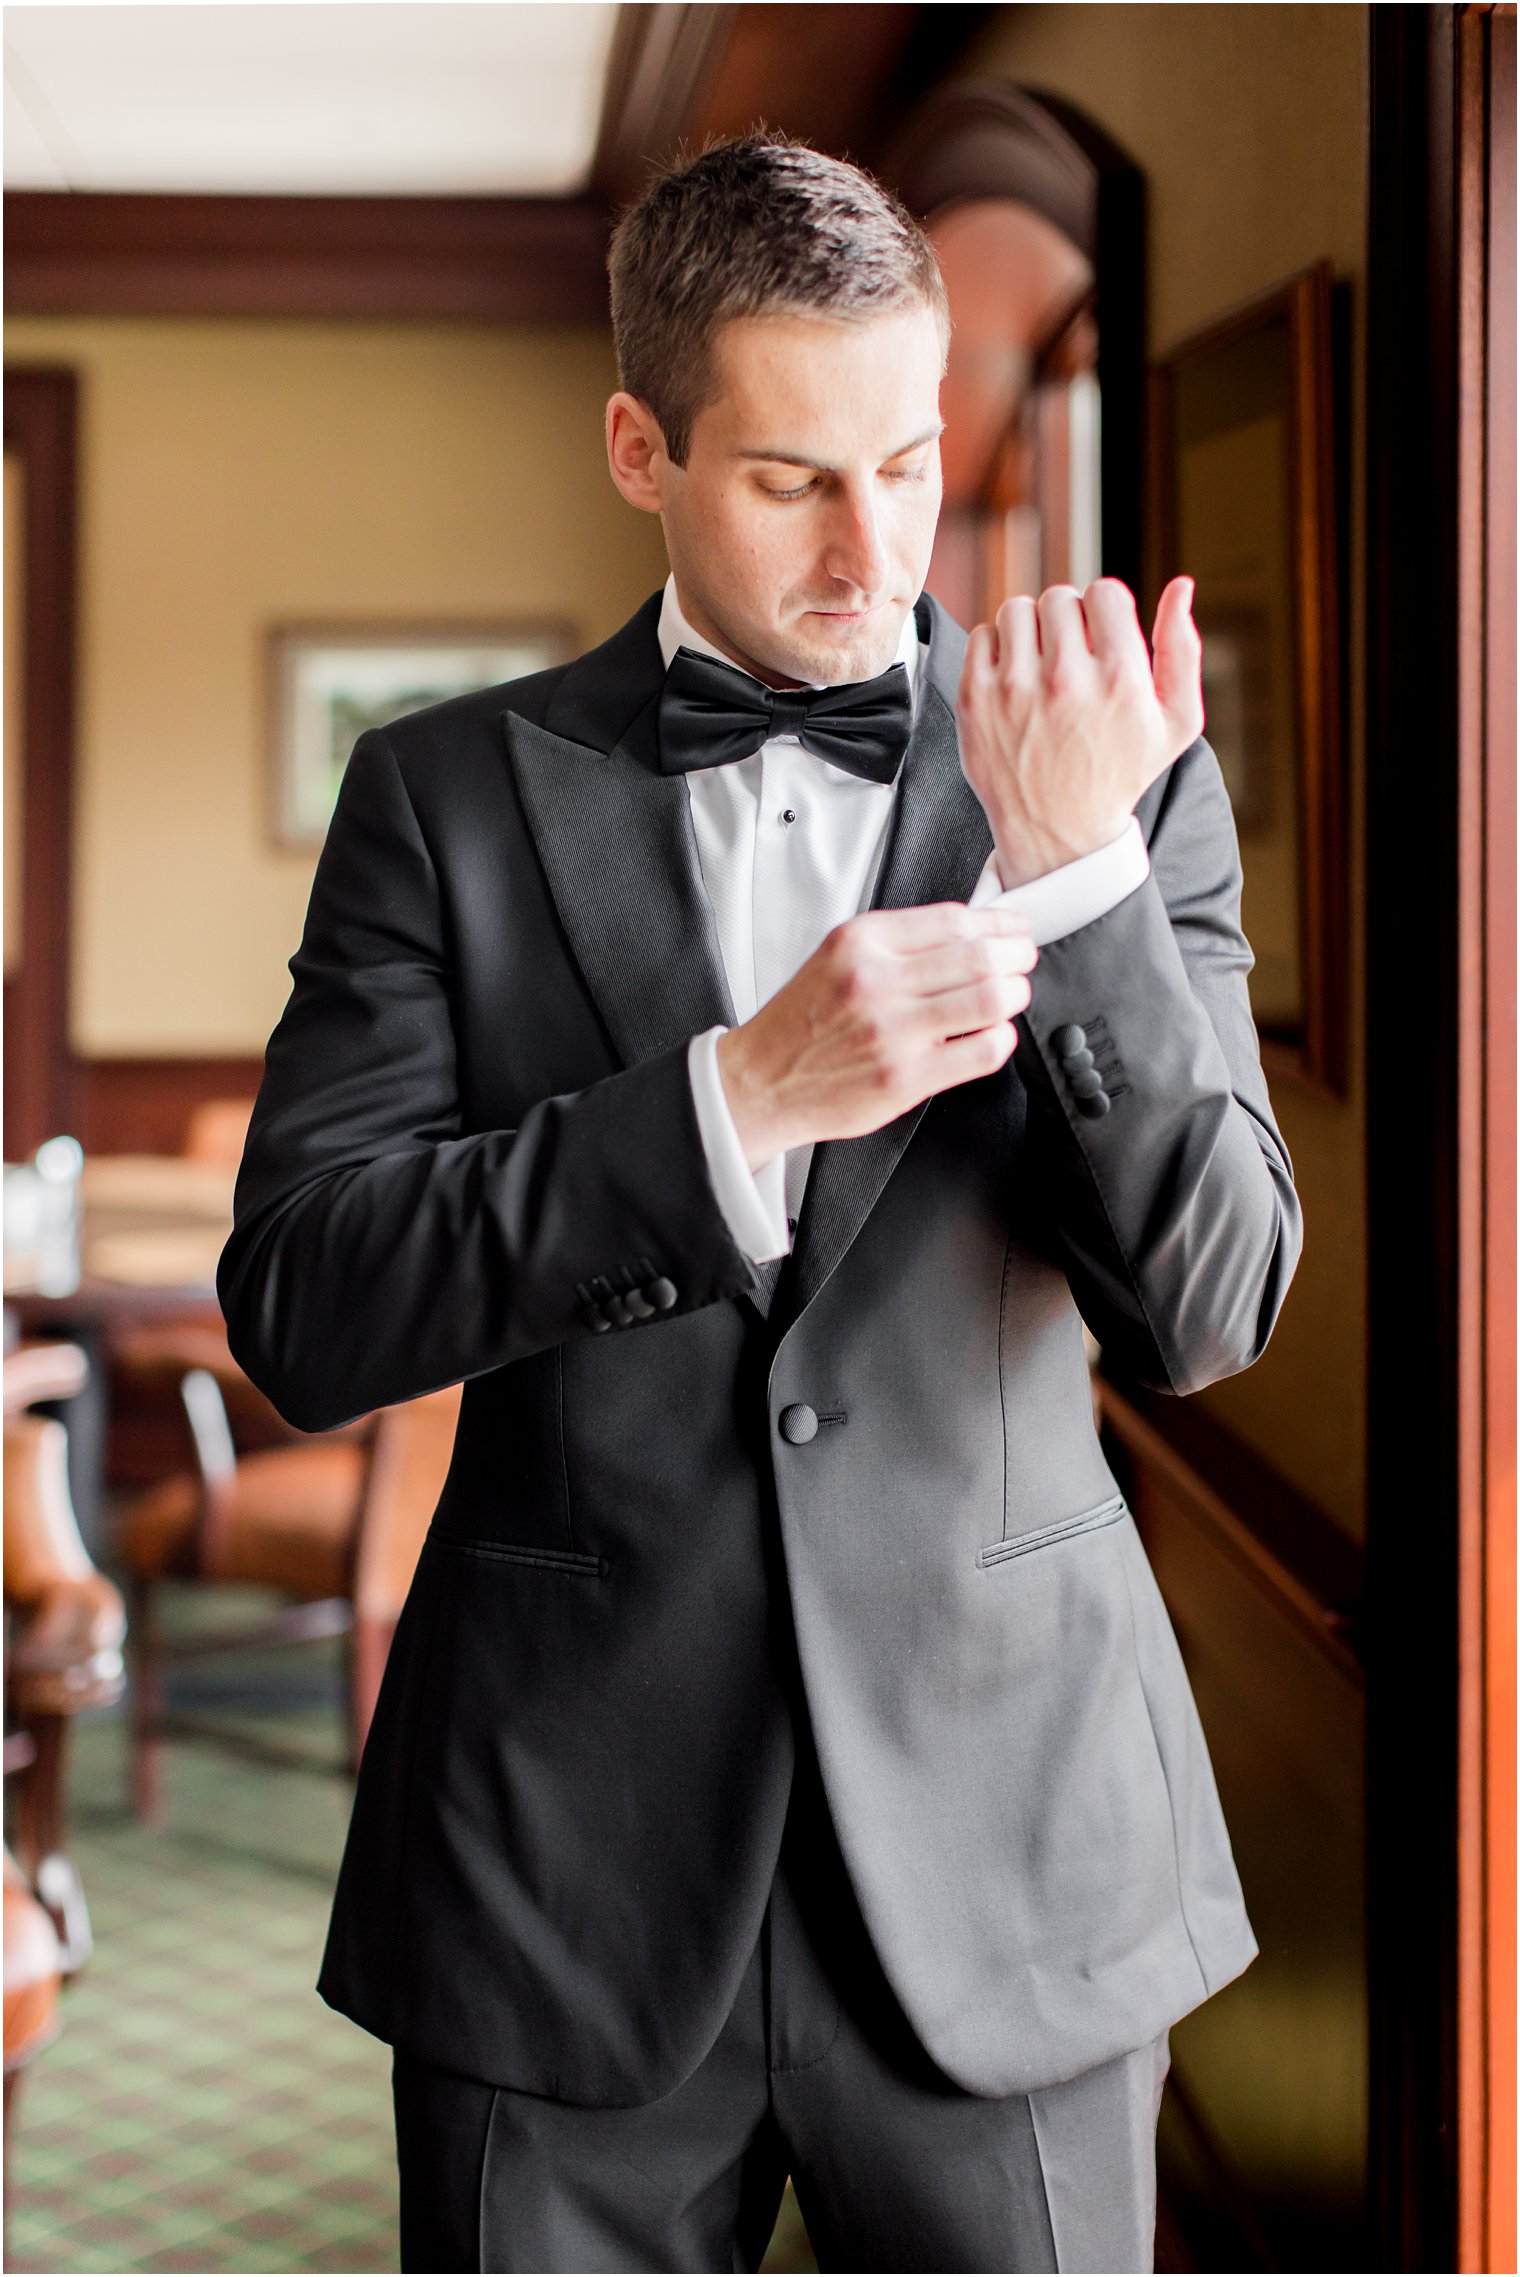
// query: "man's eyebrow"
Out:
[823,466]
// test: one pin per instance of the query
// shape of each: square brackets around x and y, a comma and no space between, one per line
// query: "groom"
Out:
[745,1056]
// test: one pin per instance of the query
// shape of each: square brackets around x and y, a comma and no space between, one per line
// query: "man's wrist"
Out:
[1022,855]
[751,1097]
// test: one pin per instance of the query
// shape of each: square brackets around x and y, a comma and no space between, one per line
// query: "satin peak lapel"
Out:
[616,841]
[618,849]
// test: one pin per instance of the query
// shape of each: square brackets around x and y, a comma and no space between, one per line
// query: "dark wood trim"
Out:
[143,1105]
[662,60]
[41,423]
[840,76]
[1486,1139]
[984,138]
[1287,1547]
[495,260]
[1304,303]
[1436,1051]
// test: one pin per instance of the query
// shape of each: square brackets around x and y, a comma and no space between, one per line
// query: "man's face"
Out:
[801,525]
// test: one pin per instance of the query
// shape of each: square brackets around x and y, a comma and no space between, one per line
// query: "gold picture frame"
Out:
[329,681]
[1243,425]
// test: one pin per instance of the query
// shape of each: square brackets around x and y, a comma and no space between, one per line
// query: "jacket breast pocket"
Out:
[1060,1530]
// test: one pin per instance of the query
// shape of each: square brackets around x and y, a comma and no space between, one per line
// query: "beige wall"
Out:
[237,474]
[1249,124]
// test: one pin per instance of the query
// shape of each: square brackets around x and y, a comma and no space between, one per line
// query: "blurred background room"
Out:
[305,359]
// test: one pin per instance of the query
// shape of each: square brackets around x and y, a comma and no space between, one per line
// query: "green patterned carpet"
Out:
[203,2110]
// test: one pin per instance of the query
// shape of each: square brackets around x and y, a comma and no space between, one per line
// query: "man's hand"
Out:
[1063,723]
[894,1005]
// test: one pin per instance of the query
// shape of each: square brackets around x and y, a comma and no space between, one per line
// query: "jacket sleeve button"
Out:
[1074,1062]
[661,1293]
[1070,1039]
[1087,1083]
[595,1319]
[617,1312]
[638,1304]
[799,1424]
[1099,1104]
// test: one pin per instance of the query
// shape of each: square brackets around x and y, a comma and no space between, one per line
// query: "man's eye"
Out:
[801,491]
[905,473]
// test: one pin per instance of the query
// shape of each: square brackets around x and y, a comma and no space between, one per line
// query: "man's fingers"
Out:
[1178,666]
[1064,650]
[930,924]
[1018,641]
[980,661]
[965,1059]
[961,964]
[1113,626]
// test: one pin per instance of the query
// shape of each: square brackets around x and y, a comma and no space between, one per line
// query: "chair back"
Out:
[413,1446]
[217,1130]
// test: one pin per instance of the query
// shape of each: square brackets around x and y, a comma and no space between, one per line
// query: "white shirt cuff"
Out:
[753,1201]
[1065,899]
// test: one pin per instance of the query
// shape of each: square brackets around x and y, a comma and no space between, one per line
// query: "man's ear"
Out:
[636,452]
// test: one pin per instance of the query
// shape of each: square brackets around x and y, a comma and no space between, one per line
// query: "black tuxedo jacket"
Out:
[476,1115]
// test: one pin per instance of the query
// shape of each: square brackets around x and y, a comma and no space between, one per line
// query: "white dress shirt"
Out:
[789,847]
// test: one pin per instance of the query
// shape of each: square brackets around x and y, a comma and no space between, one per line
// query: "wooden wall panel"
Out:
[143,1106]
[1263,2141]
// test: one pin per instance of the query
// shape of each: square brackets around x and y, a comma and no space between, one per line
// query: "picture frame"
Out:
[1243,458]
[330,680]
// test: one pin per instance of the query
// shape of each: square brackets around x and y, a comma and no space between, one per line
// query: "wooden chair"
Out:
[64,1629]
[334,1522]
[216,1131]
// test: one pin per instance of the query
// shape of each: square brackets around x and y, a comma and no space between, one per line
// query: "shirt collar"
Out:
[675,631]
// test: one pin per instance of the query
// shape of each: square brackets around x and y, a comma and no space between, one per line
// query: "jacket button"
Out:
[595,1319]
[1099,1104]
[617,1312]
[1086,1083]
[661,1293]
[638,1304]
[799,1424]
[1074,1062]
[1070,1039]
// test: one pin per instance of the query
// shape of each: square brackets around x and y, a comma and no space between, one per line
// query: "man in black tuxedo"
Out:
[784,1762]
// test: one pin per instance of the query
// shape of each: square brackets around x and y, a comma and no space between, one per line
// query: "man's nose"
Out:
[856,554]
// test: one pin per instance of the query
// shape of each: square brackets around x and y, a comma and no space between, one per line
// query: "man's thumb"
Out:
[1177,660]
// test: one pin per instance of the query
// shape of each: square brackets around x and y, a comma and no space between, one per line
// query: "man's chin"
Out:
[853,652]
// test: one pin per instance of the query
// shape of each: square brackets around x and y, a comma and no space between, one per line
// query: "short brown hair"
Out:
[757,225]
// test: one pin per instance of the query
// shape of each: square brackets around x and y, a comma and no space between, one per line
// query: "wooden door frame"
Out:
[1440,1130]
[41,429]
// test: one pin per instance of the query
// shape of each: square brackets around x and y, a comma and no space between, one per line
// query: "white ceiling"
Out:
[403,97]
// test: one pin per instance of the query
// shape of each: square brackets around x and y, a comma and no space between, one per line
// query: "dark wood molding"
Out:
[41,430]
[143,1105]
[1436,1110]
[662,58]
[124,254]
[839,76]
[983,138]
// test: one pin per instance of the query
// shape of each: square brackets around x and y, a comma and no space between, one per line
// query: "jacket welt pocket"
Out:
[1039,1537]
[514,1553]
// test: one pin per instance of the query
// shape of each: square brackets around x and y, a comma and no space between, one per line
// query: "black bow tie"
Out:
[711,713]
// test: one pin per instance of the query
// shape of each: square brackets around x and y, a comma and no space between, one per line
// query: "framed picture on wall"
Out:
[1245,504]
[329,682]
